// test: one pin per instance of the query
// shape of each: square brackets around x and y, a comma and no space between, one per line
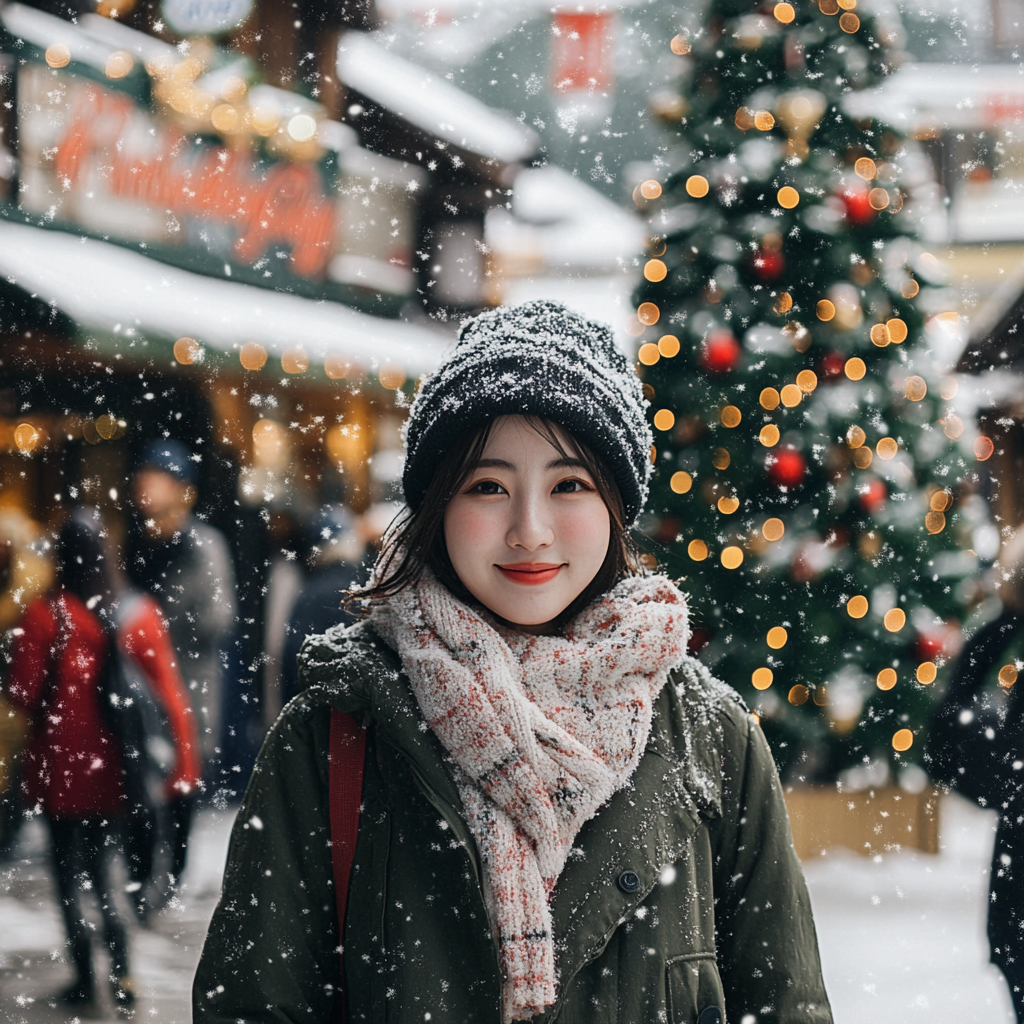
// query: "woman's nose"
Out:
[530,528]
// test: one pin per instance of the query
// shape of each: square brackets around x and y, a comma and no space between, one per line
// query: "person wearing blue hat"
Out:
[186,565]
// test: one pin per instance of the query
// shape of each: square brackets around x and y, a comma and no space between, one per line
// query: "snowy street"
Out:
[902,938]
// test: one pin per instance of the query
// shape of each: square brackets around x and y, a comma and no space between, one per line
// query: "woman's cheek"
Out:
[471,526]
[587,527]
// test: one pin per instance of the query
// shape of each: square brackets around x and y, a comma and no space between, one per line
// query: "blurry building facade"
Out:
[215,237]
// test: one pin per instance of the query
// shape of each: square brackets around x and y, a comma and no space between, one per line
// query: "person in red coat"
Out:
[73,764]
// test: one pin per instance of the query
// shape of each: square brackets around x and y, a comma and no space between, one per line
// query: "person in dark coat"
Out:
[185,564]
[334,556]
[73,766]
[976,746]
[561,815]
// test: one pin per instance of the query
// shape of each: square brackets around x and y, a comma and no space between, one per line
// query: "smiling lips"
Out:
[530,574]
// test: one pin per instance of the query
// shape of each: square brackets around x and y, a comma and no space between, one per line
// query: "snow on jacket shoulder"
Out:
[683,893]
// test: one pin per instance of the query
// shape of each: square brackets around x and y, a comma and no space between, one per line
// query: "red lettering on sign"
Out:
[286,206]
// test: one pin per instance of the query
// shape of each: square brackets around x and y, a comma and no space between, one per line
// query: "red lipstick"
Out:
[530,574]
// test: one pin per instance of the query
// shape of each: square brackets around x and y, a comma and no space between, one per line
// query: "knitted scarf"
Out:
[542,731]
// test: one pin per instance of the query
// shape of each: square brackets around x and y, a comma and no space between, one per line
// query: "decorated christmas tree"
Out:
[811,472]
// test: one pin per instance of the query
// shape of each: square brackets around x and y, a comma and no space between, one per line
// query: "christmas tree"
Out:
[810,469]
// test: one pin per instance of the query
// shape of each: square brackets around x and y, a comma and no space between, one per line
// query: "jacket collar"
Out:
[643,828]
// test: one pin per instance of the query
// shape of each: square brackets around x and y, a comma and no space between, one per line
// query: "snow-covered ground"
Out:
[902,936]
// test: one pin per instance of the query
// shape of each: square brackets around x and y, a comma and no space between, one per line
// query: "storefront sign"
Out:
[94,157]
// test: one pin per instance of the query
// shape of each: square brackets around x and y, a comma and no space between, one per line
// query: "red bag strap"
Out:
[345,791]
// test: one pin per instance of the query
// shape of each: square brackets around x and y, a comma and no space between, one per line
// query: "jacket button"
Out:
[629,881]
[710,1015]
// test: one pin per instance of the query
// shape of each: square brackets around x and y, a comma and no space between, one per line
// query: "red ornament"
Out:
[929,646]
[787,468]
[873,495]
[768,265]
[721,352]
[832,366]
[858,209]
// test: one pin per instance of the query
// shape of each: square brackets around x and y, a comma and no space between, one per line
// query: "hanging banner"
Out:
[583,47]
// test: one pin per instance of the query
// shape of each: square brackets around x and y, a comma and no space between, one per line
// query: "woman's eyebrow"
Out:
[566,463]
[495,464]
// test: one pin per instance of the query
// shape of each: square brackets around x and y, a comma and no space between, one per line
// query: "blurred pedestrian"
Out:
[334,555]
[186,565]
[976,746]
[74,766]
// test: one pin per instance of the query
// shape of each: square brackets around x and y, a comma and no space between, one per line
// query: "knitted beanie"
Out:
[537,359]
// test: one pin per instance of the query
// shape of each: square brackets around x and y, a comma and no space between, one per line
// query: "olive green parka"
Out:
[682,894]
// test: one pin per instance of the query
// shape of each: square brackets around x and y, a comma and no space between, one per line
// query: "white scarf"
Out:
[542,731]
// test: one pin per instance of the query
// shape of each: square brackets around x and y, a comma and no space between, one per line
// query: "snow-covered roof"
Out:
[564,223]
[430,103]
[950,96]
[112,290]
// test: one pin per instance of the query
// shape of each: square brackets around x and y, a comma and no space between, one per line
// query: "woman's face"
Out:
[528,530]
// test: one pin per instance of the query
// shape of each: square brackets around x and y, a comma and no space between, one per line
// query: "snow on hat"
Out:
[537,359]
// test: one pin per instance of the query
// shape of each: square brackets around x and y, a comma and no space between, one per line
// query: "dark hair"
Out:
[82,566]
[416,540]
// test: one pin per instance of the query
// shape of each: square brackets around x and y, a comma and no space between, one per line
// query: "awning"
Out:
[122,294]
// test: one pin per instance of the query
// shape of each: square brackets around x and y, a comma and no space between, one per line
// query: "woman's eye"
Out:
[570,487]
[487,487]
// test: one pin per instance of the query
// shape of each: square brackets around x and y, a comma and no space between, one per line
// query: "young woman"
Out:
[563,817]
[73,764]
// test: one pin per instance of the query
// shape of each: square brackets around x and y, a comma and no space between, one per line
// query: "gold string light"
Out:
[887,448]
[697,186]
[886,679]
[773,529]
[761,678]
[902,740]
[648,314]
[915,388]
[895,619]
[668,346]
[731,416]
[655,271]
[857,607]
[649,353]
[732,557]
[681,482]
[187,351]
[788,197]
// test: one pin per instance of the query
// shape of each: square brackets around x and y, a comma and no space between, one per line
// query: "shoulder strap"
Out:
[345,790]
